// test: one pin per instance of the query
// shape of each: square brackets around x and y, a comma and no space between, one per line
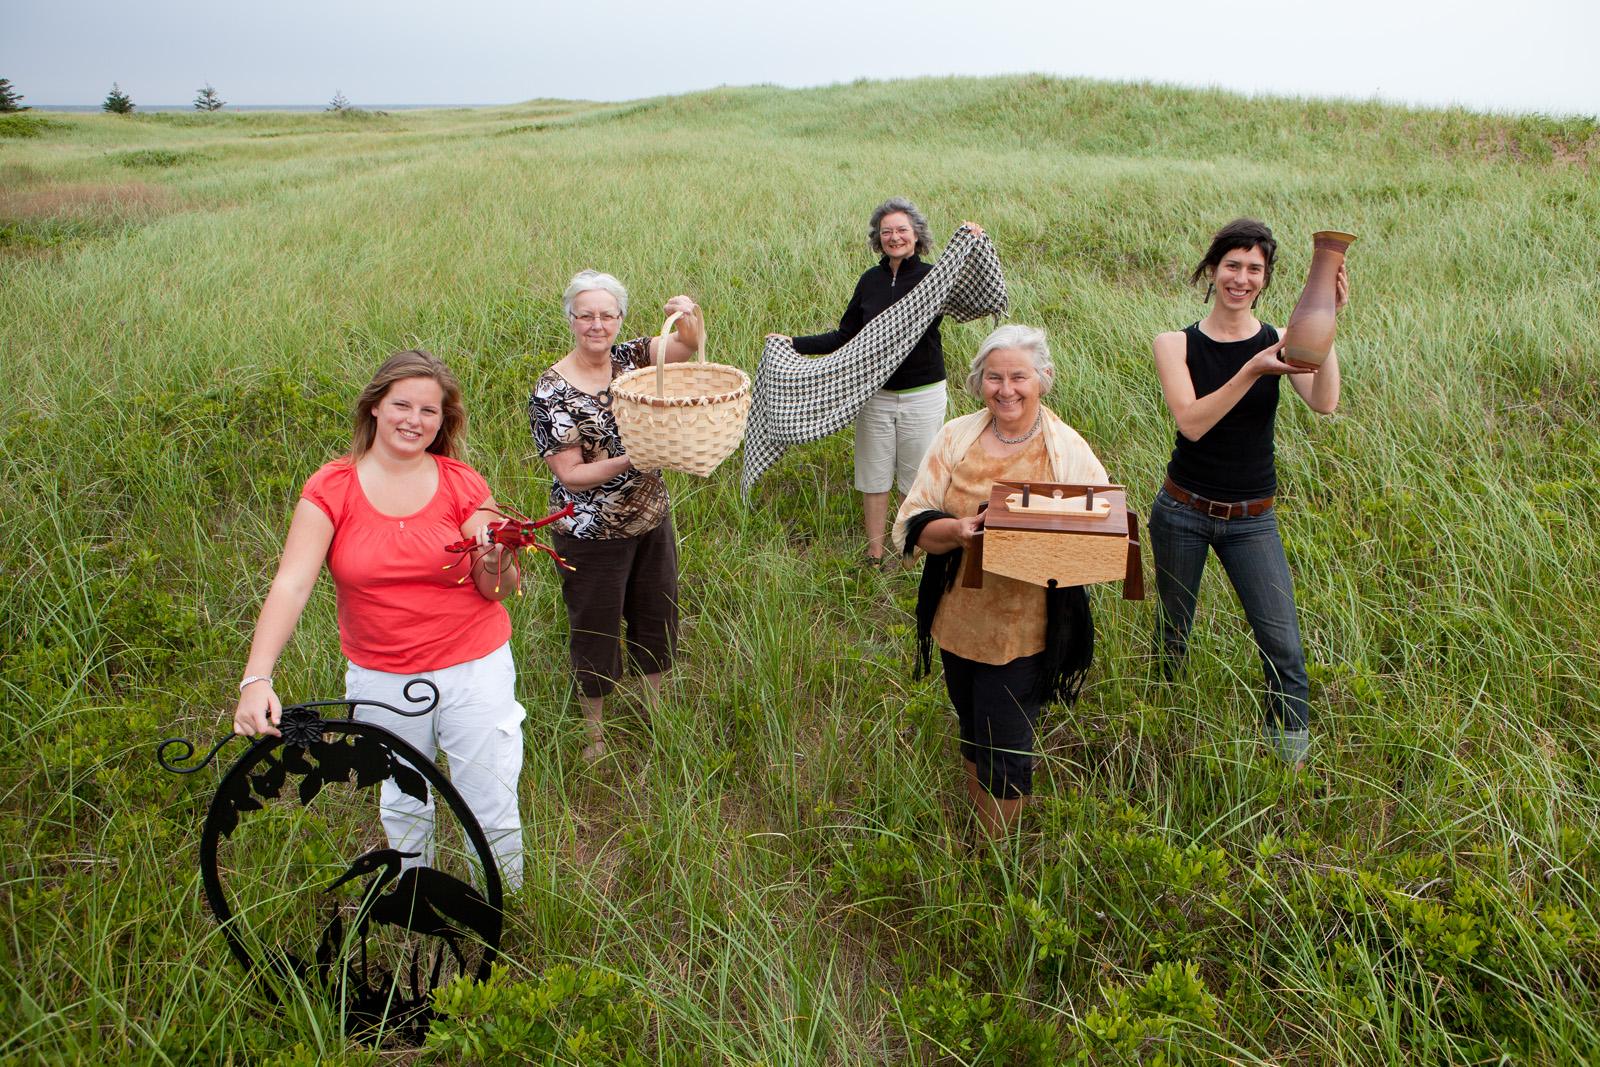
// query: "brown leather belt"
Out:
[1217,509]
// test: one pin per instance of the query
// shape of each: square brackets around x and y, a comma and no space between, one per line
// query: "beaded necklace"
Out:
[1038,421]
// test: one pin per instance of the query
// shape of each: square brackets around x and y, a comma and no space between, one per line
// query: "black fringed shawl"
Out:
[1068,625]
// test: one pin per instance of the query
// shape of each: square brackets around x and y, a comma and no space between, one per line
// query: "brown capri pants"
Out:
[632,579]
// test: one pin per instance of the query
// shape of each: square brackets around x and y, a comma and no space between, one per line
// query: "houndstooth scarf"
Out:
[805,398]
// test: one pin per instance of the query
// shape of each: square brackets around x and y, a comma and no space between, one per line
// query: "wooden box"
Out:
[1053,541]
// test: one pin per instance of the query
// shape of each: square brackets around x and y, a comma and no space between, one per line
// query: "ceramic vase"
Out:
[1309,334]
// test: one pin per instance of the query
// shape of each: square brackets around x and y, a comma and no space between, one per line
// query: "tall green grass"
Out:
[777,866]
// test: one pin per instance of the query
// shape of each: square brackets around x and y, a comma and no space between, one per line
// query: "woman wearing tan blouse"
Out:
[1009,647]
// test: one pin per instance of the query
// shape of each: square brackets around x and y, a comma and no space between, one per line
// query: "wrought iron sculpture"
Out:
[442,918]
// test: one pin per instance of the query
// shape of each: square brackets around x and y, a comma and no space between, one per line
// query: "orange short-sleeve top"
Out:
[399,609]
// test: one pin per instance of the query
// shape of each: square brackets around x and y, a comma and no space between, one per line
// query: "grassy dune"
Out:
[778,868]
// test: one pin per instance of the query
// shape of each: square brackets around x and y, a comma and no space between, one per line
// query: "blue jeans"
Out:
[1252,555]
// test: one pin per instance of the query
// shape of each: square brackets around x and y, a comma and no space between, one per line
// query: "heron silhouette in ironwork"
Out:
[423,901]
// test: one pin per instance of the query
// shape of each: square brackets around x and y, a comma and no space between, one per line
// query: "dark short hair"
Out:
[1240,233]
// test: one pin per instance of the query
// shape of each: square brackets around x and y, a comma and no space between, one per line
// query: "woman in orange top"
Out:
[380,518]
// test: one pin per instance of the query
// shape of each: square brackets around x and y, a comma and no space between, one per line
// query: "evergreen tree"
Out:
[207,99]
[338,103]
[117,102]
[9,97]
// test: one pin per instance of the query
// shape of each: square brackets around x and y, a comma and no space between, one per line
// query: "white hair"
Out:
[1014,335]
[589,280]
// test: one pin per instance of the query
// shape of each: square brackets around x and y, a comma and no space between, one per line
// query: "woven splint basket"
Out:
[684,416]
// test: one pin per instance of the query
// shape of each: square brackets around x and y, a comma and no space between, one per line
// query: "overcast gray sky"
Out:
[1507,55]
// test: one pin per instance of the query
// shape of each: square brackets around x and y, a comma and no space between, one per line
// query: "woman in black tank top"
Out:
[1220,380]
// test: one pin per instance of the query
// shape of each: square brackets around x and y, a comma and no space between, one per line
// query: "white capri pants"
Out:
[478,723]
[893,433]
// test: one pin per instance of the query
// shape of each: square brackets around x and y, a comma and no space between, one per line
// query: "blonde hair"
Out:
[411,363]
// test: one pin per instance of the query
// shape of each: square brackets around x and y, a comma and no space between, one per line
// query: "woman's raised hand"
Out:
[688,334]
[1341,290]
[258,711]
[681,305]
[973,226]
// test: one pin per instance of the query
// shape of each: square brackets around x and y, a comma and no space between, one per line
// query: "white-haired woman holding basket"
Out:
[620,538]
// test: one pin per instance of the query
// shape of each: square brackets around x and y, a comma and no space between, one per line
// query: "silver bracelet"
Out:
[253,679]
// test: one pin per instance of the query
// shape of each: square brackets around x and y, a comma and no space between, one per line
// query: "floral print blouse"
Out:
[563,416]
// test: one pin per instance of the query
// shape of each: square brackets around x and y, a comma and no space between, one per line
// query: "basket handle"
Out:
[660,356]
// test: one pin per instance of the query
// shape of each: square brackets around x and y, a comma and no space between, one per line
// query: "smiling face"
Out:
[1011,388]
[897,236]
[596,320]
[1240,277]
[408,416]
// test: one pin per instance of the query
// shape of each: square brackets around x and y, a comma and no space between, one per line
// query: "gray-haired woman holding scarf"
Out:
[897,424]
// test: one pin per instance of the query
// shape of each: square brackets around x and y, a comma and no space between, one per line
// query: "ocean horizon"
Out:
[254,107]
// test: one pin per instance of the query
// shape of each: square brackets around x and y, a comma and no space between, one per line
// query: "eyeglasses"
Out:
[899,231]
[604,318]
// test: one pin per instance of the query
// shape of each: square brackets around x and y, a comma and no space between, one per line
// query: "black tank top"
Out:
[1233,461]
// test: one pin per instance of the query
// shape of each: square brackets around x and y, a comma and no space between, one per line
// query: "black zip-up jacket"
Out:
[876,290]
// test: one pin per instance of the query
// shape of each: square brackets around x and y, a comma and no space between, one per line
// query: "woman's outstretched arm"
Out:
[304,550]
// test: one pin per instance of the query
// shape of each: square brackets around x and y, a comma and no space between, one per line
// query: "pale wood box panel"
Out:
[1043,547]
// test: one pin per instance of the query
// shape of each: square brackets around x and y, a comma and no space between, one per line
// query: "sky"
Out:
[1494,55]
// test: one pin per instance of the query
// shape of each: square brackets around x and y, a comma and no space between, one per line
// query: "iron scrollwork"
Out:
[435,921]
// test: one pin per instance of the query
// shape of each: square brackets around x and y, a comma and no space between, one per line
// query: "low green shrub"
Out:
[947,1021]
[27,125]
[1171,1012]
[879,873]
[570,1015]
[155,158]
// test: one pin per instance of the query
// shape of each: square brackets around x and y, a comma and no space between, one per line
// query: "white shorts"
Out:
[478,723]
[893,433]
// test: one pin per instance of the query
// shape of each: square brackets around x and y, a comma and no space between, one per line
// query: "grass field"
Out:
[778,868]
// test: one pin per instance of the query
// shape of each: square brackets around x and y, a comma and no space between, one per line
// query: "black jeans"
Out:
[997,710]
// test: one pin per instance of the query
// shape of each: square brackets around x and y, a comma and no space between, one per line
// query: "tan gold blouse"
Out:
[1005,619]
